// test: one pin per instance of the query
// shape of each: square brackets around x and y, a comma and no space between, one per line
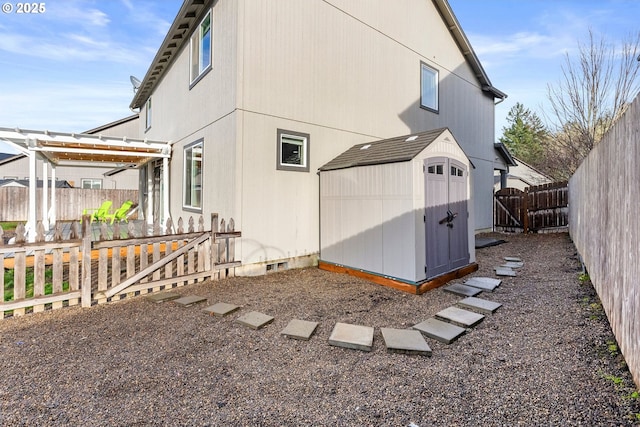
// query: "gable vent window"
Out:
[293,151]
[201,47]
[428,87]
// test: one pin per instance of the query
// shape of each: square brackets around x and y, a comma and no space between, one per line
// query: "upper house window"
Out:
[201,48]
[147,109]
[428,87]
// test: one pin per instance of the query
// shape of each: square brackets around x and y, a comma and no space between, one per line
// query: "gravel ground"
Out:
[547,357]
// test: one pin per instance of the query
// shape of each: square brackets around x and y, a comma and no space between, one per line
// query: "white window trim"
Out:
[424,67]
[196,37]
[190,147]
[305,158]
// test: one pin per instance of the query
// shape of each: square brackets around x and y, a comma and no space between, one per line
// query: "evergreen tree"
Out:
[525,136]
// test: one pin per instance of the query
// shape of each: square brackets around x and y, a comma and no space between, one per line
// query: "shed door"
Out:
[446,215]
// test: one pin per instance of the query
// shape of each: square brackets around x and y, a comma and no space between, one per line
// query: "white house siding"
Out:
[279,209]
[310,66]
[316,63]
[207,110]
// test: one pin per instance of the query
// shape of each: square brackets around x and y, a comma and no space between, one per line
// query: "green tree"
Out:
[525,136]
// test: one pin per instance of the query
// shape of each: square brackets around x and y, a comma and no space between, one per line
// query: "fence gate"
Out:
[537,208]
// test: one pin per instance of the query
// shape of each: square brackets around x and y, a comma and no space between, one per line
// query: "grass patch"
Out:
[29,273]
[9,225]
[584,278]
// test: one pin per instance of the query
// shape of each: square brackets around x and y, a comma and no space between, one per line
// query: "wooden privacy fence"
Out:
[70,202]
[537,208]
[604,198]
[80,270]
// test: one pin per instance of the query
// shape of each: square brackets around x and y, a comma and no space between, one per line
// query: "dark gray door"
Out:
[446,215]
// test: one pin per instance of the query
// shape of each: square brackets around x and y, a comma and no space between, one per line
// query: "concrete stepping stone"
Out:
[221,309]
[405,341]
[512,264]
[163,297]
[462,290]
[505,271]
[479,304]
[352,336]
[189,300]
[460,317]
[255,320]
[484,283]
[512,259]
[439,330]
[299,329]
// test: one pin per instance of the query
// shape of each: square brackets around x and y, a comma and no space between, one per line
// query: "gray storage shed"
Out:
[398,208]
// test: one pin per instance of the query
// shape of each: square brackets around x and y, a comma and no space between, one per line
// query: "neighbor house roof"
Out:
[113,124]
[392,150]
[59,183]
[504,153]
[192,10]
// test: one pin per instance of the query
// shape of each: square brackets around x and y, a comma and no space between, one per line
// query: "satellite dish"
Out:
[135,82]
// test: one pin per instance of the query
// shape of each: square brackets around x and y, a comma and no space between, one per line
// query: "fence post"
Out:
[214,245]
[525,209]
[86,261]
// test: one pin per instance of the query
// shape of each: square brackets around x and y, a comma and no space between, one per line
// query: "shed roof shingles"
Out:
[392,150]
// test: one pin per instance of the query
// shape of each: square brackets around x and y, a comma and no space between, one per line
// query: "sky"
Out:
[67,68]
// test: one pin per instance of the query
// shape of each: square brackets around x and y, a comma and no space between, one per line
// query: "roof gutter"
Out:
[465,47]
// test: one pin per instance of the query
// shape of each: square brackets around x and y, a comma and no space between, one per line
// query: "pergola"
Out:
[58,148]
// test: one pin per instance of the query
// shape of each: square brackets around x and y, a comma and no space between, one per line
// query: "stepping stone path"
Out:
[463,290]
[460,317]
[405,341]
[512,264]
[189,300]
[484,283]
[255,320]
[221,309]
[481,305]
[505,271]
[446,326]
[163,297]
[299,329]
[352,336]
[439,330]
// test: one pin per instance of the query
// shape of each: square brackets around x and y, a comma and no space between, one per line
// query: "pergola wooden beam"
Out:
[88,149]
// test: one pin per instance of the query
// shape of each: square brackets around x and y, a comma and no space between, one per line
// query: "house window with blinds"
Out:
[201,48]
[293,151]
[428,87]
